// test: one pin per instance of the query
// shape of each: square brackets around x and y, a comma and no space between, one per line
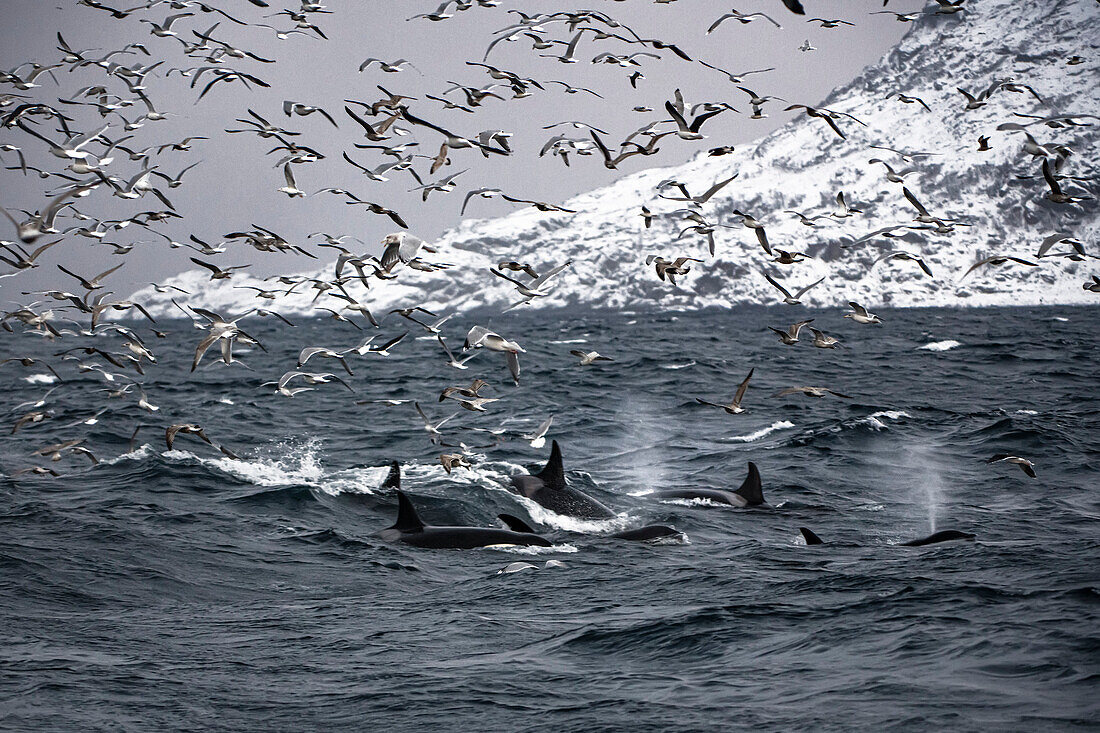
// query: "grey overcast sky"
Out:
[235,185]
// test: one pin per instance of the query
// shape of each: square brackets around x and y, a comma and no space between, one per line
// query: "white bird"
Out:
[589,357]
[734,407]
[538,437]
[860,314]
[787,297]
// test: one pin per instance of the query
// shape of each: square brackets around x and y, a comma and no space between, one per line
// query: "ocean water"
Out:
[186,590]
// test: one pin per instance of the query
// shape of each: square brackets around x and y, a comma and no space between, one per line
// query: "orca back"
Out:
[393,478]
[810,537]
[407,518]
[553,474]
[751,490]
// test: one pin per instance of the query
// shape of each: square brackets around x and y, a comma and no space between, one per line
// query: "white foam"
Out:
[874,420]
[40,379]
[1026,412]
[225,401]
[940,345]
[571,341]
[298,466]
[679,366]
[138,454]
[762,432]
[533,549]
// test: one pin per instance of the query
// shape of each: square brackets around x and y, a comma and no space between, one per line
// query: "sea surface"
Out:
[186,590]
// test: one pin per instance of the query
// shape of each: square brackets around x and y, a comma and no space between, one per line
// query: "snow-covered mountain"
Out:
[802,167]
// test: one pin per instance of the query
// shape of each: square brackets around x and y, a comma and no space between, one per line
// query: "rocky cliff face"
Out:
[997,196]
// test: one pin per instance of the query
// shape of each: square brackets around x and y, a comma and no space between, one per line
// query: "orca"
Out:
[410,529]
[810,537]
[750,493]
[548,489]
[393,478]
[946,535]
[648,532]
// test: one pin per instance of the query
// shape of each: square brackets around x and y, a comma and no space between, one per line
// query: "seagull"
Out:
[297,108]
[1055,195]
[824,341]
[790,336]
[860,314]
[892,175]
[669,269]
[908,99]
[291,188]
[451,461]
[811,391]
[30,230]
[451,359]
[900,255]
[384,350]
[470,392]
[1094,286]
[390,67]
[311,351]
[432,428]
[538,437]
[218,273]
[1025,465]
[536,288]
[997,260]
[750,222]
[589,357]
[743,18]
[824,23]
[734,407]
[479,336]
[787,297]
[196,430]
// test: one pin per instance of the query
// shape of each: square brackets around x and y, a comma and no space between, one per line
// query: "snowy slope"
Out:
[802,166]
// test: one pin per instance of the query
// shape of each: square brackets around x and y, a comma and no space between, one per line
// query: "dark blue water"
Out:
[187,590]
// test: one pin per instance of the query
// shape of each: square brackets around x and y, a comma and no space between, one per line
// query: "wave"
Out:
[679,366]
[940,345]
[874,420]
[762,432]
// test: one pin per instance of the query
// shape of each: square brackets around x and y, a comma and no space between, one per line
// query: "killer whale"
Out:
[749,494]
[411,530]
[639,534]
[648,532]
[548,489]
[946,535]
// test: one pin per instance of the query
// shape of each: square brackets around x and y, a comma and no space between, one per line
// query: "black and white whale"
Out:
[647,533]
[548,489]
[638,534]
[946,535]
[410,529]
[750,493]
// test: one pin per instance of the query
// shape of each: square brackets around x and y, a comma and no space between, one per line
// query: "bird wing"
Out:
[776,285]
[913,200]
[741,389]
[805,289]
[513,365]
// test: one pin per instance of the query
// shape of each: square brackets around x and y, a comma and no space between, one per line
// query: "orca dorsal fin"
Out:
[393,478]
[553,475]
[407,518]
[516,524]
[810,537]
[751,490]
